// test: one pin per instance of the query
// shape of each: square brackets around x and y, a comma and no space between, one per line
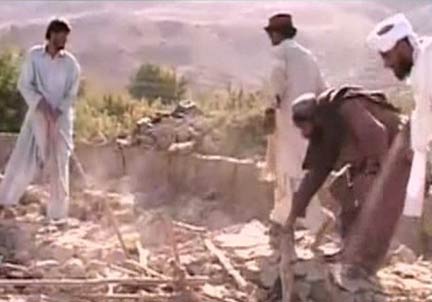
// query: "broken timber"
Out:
[139,297]
[95,282]
[286,265]
[226,263]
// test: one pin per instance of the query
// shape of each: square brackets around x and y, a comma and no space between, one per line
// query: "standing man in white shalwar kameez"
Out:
[294,72]
[410,57]
[49,83]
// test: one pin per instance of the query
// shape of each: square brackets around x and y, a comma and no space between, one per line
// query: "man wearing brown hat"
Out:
[294,72]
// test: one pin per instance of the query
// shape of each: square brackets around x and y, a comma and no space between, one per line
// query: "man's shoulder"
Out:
[36,50]
[298,51]
[426,44]
[292,49]
[70,57]
[278,52]
[423,60]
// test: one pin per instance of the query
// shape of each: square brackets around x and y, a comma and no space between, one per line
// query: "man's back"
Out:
[300,68]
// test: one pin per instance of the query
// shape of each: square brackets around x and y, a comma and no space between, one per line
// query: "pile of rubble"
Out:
[186,127]
[109,251]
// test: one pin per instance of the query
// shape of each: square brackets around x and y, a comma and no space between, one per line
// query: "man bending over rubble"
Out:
[49,83]
[365,139]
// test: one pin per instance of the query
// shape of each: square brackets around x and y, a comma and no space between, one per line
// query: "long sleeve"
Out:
[321,156]
[321,83]
[72,87]
[27,85]
[310,184]
[278,78]
[422,115]
[370,134]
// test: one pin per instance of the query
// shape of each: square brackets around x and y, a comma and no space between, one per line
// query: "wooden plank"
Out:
[226,264]
[287,253]
[96,282]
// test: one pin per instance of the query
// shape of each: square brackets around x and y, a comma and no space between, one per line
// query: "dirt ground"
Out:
[174,252]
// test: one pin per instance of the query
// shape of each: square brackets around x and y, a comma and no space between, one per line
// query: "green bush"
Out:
[152,82]
[235,116]
[12,105]
[240,116]
[103,117]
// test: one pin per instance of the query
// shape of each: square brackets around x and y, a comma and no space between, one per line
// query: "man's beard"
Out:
[404,70]
[275,43]
[316,134]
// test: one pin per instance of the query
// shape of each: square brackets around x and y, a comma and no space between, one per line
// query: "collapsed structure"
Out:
[172,225]
[119,248]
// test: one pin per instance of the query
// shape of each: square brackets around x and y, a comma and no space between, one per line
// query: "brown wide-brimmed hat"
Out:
[281,23]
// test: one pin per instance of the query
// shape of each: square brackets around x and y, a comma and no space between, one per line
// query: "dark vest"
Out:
[330,145]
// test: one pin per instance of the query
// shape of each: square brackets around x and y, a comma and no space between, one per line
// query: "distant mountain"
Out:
[211,43]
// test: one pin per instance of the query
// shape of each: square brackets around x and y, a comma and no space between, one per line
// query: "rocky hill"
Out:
[212,43]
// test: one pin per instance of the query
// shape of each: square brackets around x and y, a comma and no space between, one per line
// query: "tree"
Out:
[12,105]
[153,82]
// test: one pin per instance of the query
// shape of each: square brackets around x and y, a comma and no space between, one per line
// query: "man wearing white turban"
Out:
[410,57]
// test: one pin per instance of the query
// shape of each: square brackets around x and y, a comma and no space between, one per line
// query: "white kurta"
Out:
[294,72]
[421,124]
[57,80]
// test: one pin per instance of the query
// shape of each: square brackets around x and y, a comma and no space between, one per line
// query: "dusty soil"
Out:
[167,258]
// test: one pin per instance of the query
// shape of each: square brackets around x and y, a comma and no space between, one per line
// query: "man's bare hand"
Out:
[46,109]
[289,224]
[56,113]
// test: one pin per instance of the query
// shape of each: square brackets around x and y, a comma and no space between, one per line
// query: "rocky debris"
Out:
[187,208]
[184,130]
[170,259]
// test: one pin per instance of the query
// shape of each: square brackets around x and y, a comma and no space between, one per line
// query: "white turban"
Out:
[388,32]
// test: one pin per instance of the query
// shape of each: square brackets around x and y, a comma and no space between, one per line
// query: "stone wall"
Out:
[231,181]
[234,182]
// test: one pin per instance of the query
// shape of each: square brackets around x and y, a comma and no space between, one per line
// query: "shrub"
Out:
[12,105]
[103,117]
[152,82]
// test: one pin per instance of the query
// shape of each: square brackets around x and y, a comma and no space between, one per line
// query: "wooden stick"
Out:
[142,297]
[143,262]
[171,236]
[328,222]
[212,298]
[145,269]
[8,269]
[81,173]
[96,282]
[181,148]
[142,254]
[179,271]
[113,219]
[189,227]
[97,297]
[286,267]
[124,270]
[108,210]
[39,297]
[226,263]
